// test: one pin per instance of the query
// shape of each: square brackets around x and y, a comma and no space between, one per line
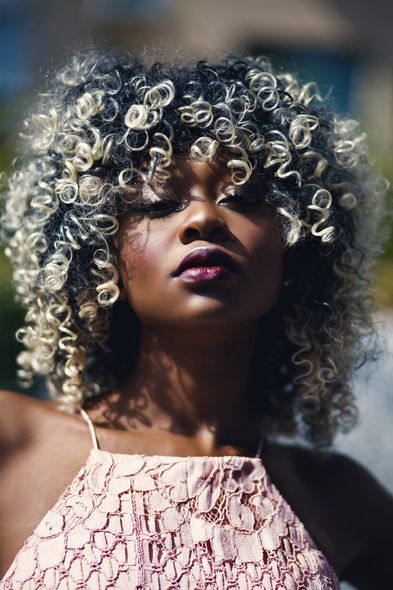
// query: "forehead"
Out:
[188,172]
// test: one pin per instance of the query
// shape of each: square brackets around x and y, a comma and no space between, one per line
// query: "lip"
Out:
[204,258]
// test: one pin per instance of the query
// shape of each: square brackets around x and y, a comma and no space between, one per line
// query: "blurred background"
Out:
[345,45]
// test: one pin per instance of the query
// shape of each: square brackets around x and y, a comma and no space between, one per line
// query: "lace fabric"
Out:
[159,522]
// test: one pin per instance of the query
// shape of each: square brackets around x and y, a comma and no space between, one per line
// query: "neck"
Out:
[194,383]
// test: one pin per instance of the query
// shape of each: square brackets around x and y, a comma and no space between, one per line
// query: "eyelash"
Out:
[241,201]
[156,209]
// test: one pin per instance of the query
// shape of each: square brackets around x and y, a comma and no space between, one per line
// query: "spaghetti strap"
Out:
[260,446]
[90,424]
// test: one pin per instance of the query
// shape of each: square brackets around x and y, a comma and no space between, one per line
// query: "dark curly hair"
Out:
[109,123]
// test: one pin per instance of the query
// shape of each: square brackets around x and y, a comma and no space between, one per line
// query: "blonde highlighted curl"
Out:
[109,123]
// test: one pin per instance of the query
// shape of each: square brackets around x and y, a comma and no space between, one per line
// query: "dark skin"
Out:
[186,395]
[198,329]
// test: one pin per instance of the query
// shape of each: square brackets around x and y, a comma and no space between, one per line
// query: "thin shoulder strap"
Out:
[90,424]
[260,446]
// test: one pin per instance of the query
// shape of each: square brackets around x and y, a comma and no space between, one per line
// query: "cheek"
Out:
[265,243]
[266,250]
[140,255]
[142,259]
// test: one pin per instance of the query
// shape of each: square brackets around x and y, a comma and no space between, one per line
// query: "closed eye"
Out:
[243,200]
[155,203]
[155,209]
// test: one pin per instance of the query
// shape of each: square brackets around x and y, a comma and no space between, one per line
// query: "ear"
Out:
[122,294]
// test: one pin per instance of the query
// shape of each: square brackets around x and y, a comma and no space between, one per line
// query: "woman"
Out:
[194,247]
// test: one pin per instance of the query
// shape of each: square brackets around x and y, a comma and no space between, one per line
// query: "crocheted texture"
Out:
[136,521]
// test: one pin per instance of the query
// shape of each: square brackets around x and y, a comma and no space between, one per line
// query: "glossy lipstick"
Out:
[206,264]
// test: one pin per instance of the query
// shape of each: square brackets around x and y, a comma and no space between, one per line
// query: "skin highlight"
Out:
[199,335]
[168,366]
[108,132]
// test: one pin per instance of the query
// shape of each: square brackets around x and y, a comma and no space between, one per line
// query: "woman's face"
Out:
[200,209]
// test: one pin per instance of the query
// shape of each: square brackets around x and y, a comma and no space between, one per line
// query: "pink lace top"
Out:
[158,522]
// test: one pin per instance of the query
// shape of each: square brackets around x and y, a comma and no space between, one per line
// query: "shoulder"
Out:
[22,419]
[34,435]
[353,483]
[14,418]
[316,467]
[364,508]
[41,451]
[330,464]
[371,508]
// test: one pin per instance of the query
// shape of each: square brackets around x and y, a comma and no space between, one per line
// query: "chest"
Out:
[168,509]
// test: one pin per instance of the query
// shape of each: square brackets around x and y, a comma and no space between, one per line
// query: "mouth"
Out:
[204,264]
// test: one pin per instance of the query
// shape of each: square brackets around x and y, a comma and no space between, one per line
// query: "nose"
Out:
[203,222]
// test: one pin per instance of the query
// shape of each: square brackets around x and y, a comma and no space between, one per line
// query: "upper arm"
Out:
[372,507]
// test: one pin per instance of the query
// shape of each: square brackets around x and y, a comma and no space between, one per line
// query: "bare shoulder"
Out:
[325,464]
[370,505]
[353,483]
[15,410]
[353,508]
[41,451]
[20,416]
[11,403]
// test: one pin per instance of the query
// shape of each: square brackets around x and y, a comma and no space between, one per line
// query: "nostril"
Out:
[217,230]
[204,223]
[205,230]
[191,232]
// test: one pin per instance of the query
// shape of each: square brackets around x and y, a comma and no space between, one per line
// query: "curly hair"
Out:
[110,122]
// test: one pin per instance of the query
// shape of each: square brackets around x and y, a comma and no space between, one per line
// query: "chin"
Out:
[207,318]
